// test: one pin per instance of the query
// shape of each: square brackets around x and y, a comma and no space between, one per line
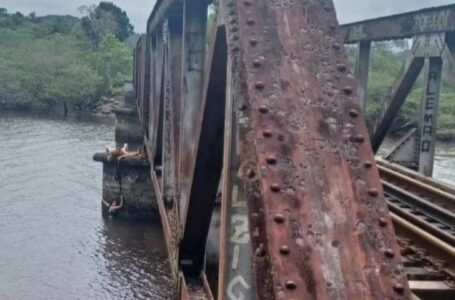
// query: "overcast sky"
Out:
[139,10]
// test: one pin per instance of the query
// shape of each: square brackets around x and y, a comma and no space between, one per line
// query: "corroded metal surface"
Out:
[303,212]
[313,190]
[235,265]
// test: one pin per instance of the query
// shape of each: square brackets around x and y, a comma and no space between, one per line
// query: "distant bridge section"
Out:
[401,26]
[432,31]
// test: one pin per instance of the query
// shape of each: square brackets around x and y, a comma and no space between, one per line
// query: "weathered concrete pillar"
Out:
[127,186]
[130,179]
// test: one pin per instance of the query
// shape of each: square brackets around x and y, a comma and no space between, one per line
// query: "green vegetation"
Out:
[387,59]
[62,60]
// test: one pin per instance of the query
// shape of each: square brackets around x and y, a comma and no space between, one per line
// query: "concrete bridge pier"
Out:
[127,189]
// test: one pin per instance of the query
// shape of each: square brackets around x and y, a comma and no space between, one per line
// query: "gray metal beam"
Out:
[449,58]
[162,10]
[194,52]
[400,91]
[362,70]
[430,20]
[429,115]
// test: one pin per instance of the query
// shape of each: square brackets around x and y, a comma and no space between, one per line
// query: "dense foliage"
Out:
[105,19]
[387,59]
[49,61]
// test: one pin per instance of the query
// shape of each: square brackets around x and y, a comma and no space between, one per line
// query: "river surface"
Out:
[54,243]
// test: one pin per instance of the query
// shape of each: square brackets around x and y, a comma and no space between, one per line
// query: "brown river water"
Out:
[53,242]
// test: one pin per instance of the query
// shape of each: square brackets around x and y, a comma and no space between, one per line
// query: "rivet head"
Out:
[389,253]
[234,37]
[275,188]
[284,250]
[399,288]
[271,160]
[259,85]
[353,113]
[368,164]
[278,218]
[347,90]
[358,138]
[232,20]
[253,42]
[231,12]
[336,46]
[291,285]
[382,222]
[250,173]
[234,29]
[230,4]
[373,192]
[257,63]
[263,109]
[341,67]
[250,21]
[267,133]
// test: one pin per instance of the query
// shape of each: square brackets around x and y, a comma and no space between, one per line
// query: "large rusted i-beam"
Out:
[315,199]
[268,121]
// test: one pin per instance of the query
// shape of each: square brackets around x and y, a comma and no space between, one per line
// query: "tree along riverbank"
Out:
[64,63]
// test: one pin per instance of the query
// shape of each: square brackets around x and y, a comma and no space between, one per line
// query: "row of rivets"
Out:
[271,160]
[389,253]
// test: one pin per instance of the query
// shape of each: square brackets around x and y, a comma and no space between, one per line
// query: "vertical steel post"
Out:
[194,45]
[429,115]
[362,69]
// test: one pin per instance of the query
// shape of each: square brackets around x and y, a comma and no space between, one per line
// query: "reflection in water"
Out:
[53,241]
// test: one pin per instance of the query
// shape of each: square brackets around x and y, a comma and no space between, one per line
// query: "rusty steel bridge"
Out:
[262,165]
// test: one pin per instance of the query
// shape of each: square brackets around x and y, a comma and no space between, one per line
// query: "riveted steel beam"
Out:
[235,265]
[316,208]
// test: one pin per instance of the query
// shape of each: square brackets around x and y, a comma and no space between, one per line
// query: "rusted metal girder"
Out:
[407,25]
[276,120]
[318,220]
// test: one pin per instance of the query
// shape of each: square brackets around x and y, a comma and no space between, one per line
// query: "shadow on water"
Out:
[53,242]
